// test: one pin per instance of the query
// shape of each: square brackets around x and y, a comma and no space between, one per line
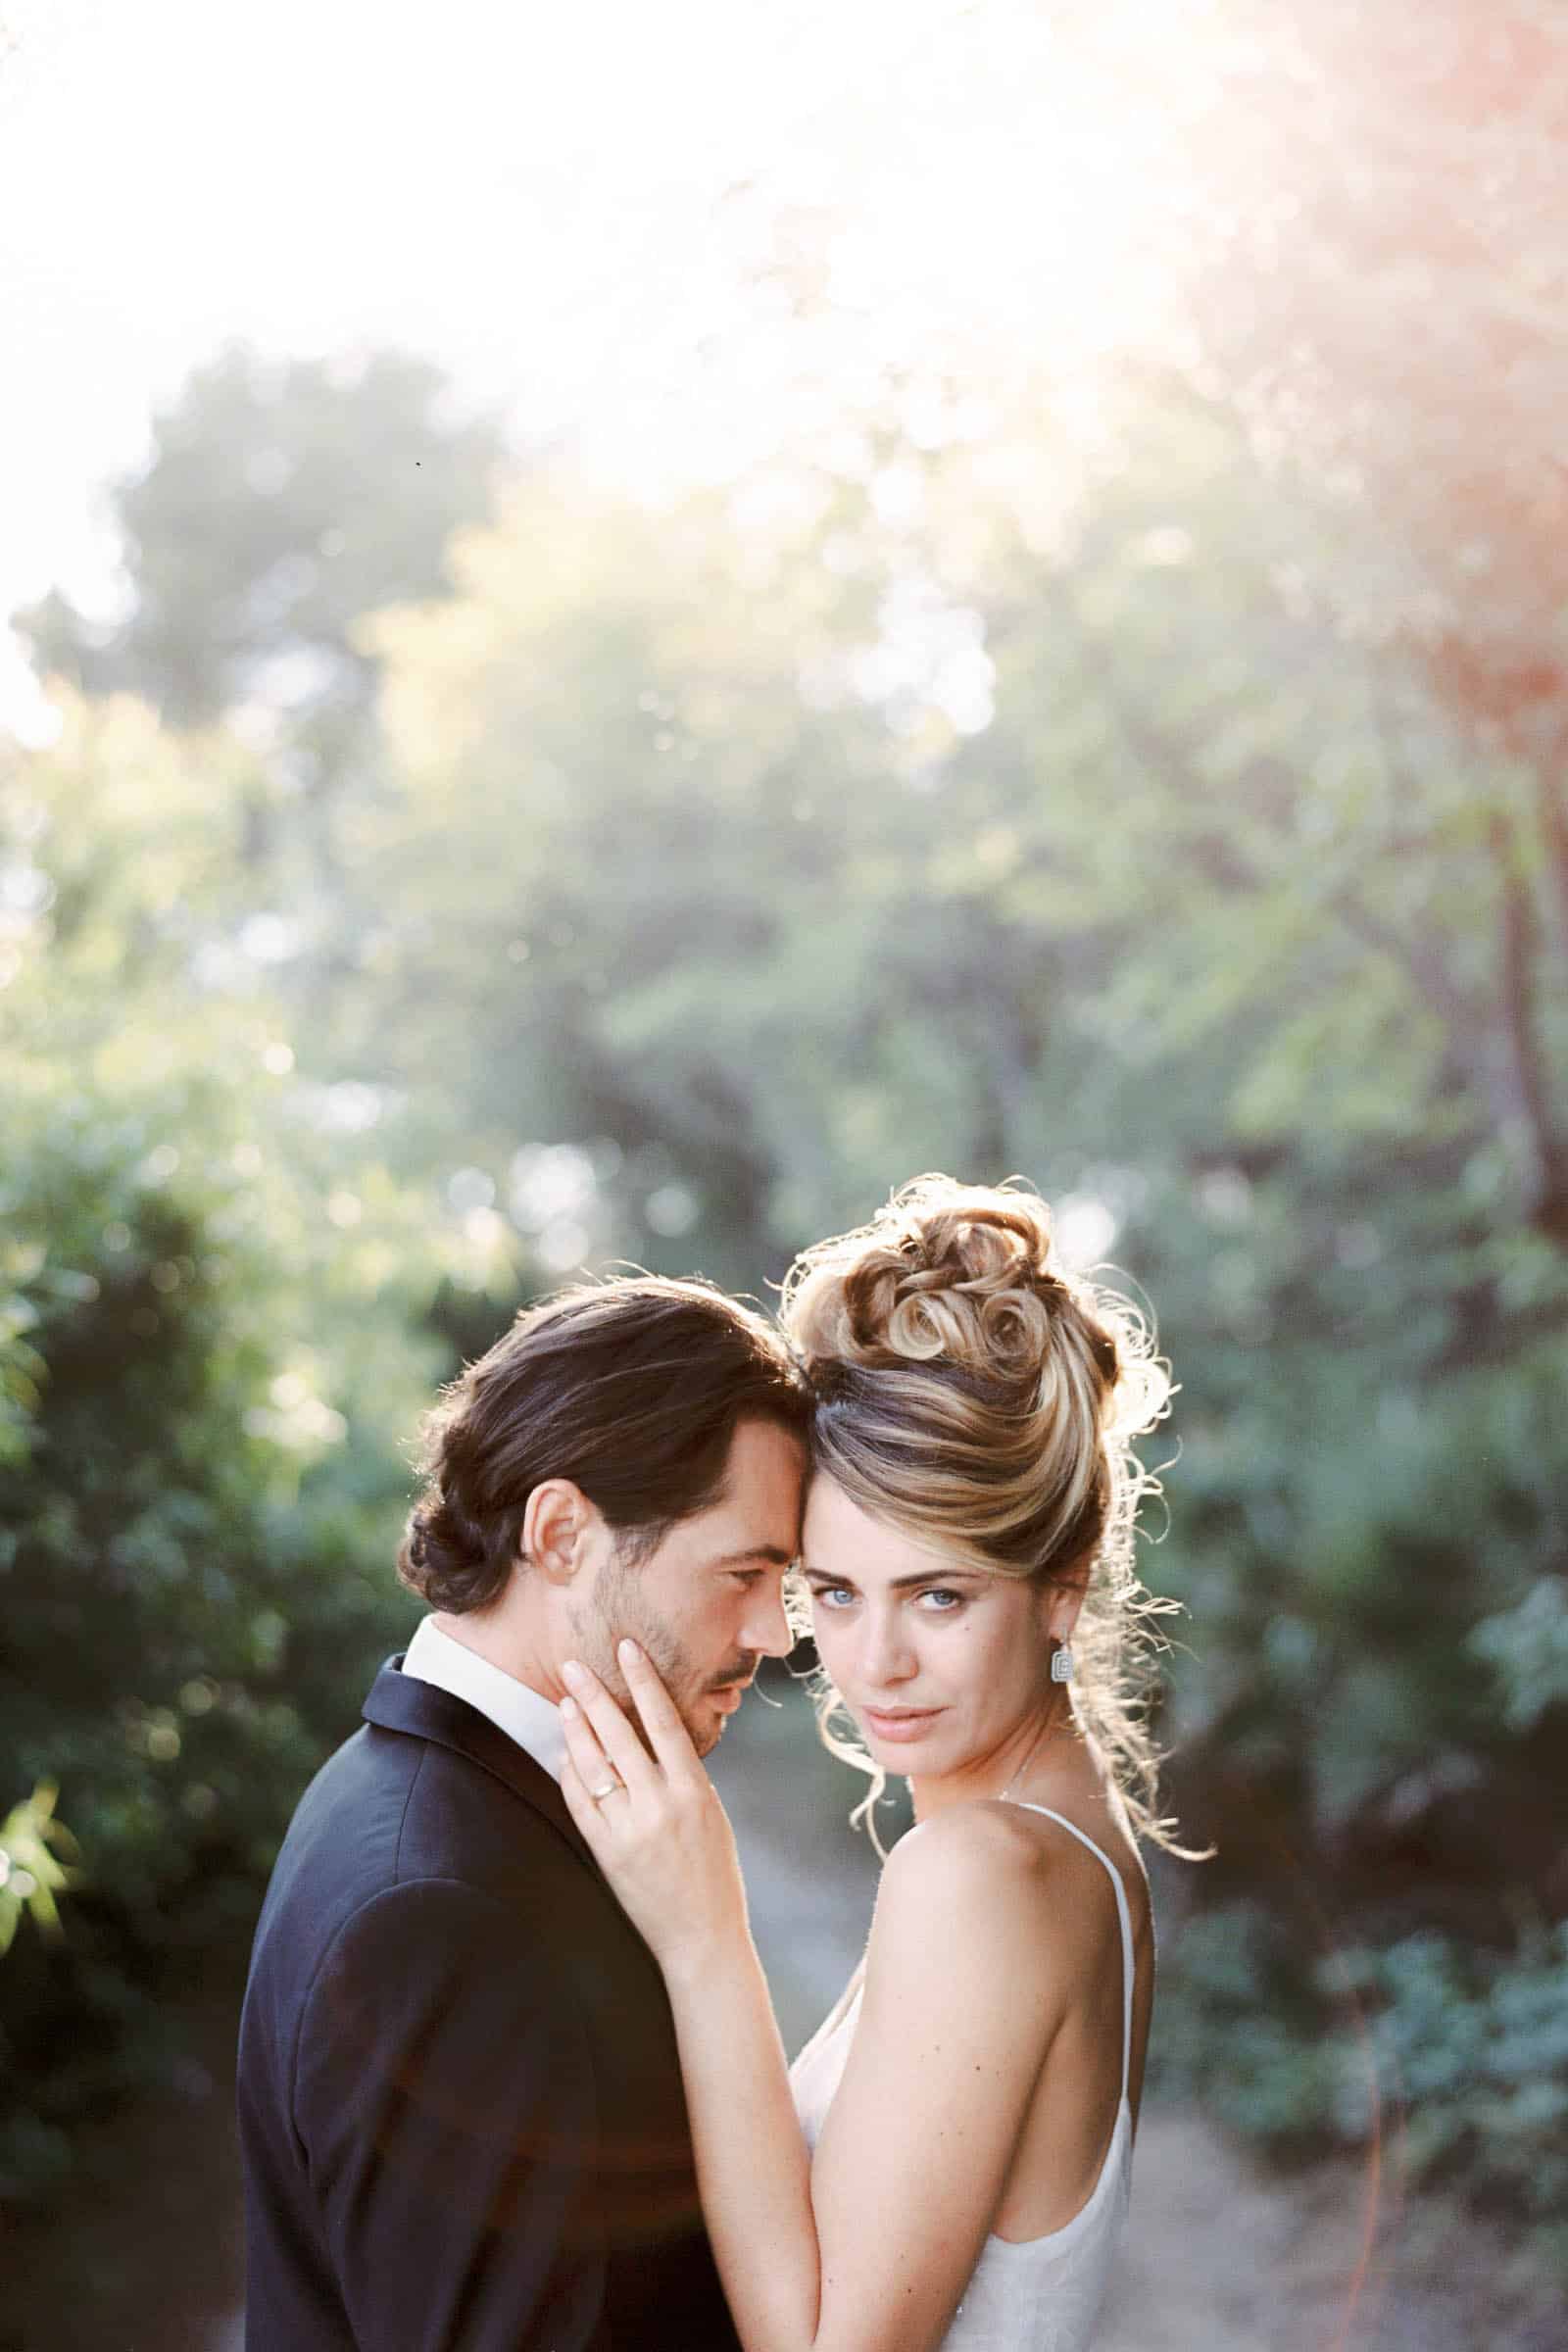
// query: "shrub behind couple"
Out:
[510,2079]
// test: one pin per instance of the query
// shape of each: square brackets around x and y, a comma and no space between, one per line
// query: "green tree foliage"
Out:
[1382,308]
[213,1353]
[281,500]
[1477,2052]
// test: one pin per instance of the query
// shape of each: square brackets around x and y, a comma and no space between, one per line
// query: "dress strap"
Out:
[1126,1917]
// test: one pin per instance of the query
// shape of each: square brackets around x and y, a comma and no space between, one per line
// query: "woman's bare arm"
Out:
[870,2249]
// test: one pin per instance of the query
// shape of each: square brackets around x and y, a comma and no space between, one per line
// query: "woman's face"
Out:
[944,1667]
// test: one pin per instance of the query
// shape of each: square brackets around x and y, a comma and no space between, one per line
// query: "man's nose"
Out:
[766,1629]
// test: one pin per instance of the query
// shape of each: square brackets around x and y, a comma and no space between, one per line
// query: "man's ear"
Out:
[555,1526]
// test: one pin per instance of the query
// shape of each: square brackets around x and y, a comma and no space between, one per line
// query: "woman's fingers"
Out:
[667,1734]
[580,1804]
[584,1750]
[615,1736]
[651,1822]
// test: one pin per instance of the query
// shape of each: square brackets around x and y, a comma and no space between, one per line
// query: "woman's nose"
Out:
[885,1653]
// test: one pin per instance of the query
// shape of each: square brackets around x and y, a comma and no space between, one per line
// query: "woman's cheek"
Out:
[831,1643]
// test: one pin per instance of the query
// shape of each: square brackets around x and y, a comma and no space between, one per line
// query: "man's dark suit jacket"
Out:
[460,2103]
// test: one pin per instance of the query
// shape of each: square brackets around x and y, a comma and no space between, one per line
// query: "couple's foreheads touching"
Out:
[942,1418]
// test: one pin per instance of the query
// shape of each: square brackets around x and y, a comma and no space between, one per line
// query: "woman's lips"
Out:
[901,1728]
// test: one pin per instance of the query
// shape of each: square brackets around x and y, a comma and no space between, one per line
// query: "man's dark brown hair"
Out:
[631,1389]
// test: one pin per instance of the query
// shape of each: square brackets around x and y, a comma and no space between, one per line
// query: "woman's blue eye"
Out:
[831,1593]
[943,1593]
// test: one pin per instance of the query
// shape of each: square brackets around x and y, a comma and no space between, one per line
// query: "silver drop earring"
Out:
[1062,1665]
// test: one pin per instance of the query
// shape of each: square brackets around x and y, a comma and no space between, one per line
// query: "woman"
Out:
[950,2162]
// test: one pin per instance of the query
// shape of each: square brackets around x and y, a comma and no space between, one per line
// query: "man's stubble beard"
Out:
[618,1609]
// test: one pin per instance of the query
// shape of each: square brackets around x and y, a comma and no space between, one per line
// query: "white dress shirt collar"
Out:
[524,1715]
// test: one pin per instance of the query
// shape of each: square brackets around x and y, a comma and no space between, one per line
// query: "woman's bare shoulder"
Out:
[981,1855]
[966,1906]
[999,1858]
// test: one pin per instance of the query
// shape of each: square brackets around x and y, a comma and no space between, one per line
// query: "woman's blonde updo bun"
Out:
[971,1391]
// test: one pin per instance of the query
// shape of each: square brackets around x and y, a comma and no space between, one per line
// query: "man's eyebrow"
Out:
[771,1553]
[900,1584]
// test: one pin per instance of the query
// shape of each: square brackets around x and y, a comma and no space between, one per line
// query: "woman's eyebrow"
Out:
[899,1584]
[934,1576]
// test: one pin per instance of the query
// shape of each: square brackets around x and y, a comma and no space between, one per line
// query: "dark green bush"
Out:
[1471,2058]
[195,1565]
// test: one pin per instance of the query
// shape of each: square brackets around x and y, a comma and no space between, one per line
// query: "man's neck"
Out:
[503,1644]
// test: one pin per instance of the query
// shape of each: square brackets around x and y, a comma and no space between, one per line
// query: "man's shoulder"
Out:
[413,1931]
[386,1812]
[462,1823]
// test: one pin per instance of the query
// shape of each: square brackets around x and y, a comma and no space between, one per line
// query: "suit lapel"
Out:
[401,1703]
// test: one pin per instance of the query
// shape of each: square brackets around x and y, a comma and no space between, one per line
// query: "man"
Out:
[460,2110]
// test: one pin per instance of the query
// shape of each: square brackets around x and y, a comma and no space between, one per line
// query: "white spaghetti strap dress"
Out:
[1036,2294]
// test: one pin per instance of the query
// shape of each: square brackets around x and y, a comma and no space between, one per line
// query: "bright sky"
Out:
[596,214]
